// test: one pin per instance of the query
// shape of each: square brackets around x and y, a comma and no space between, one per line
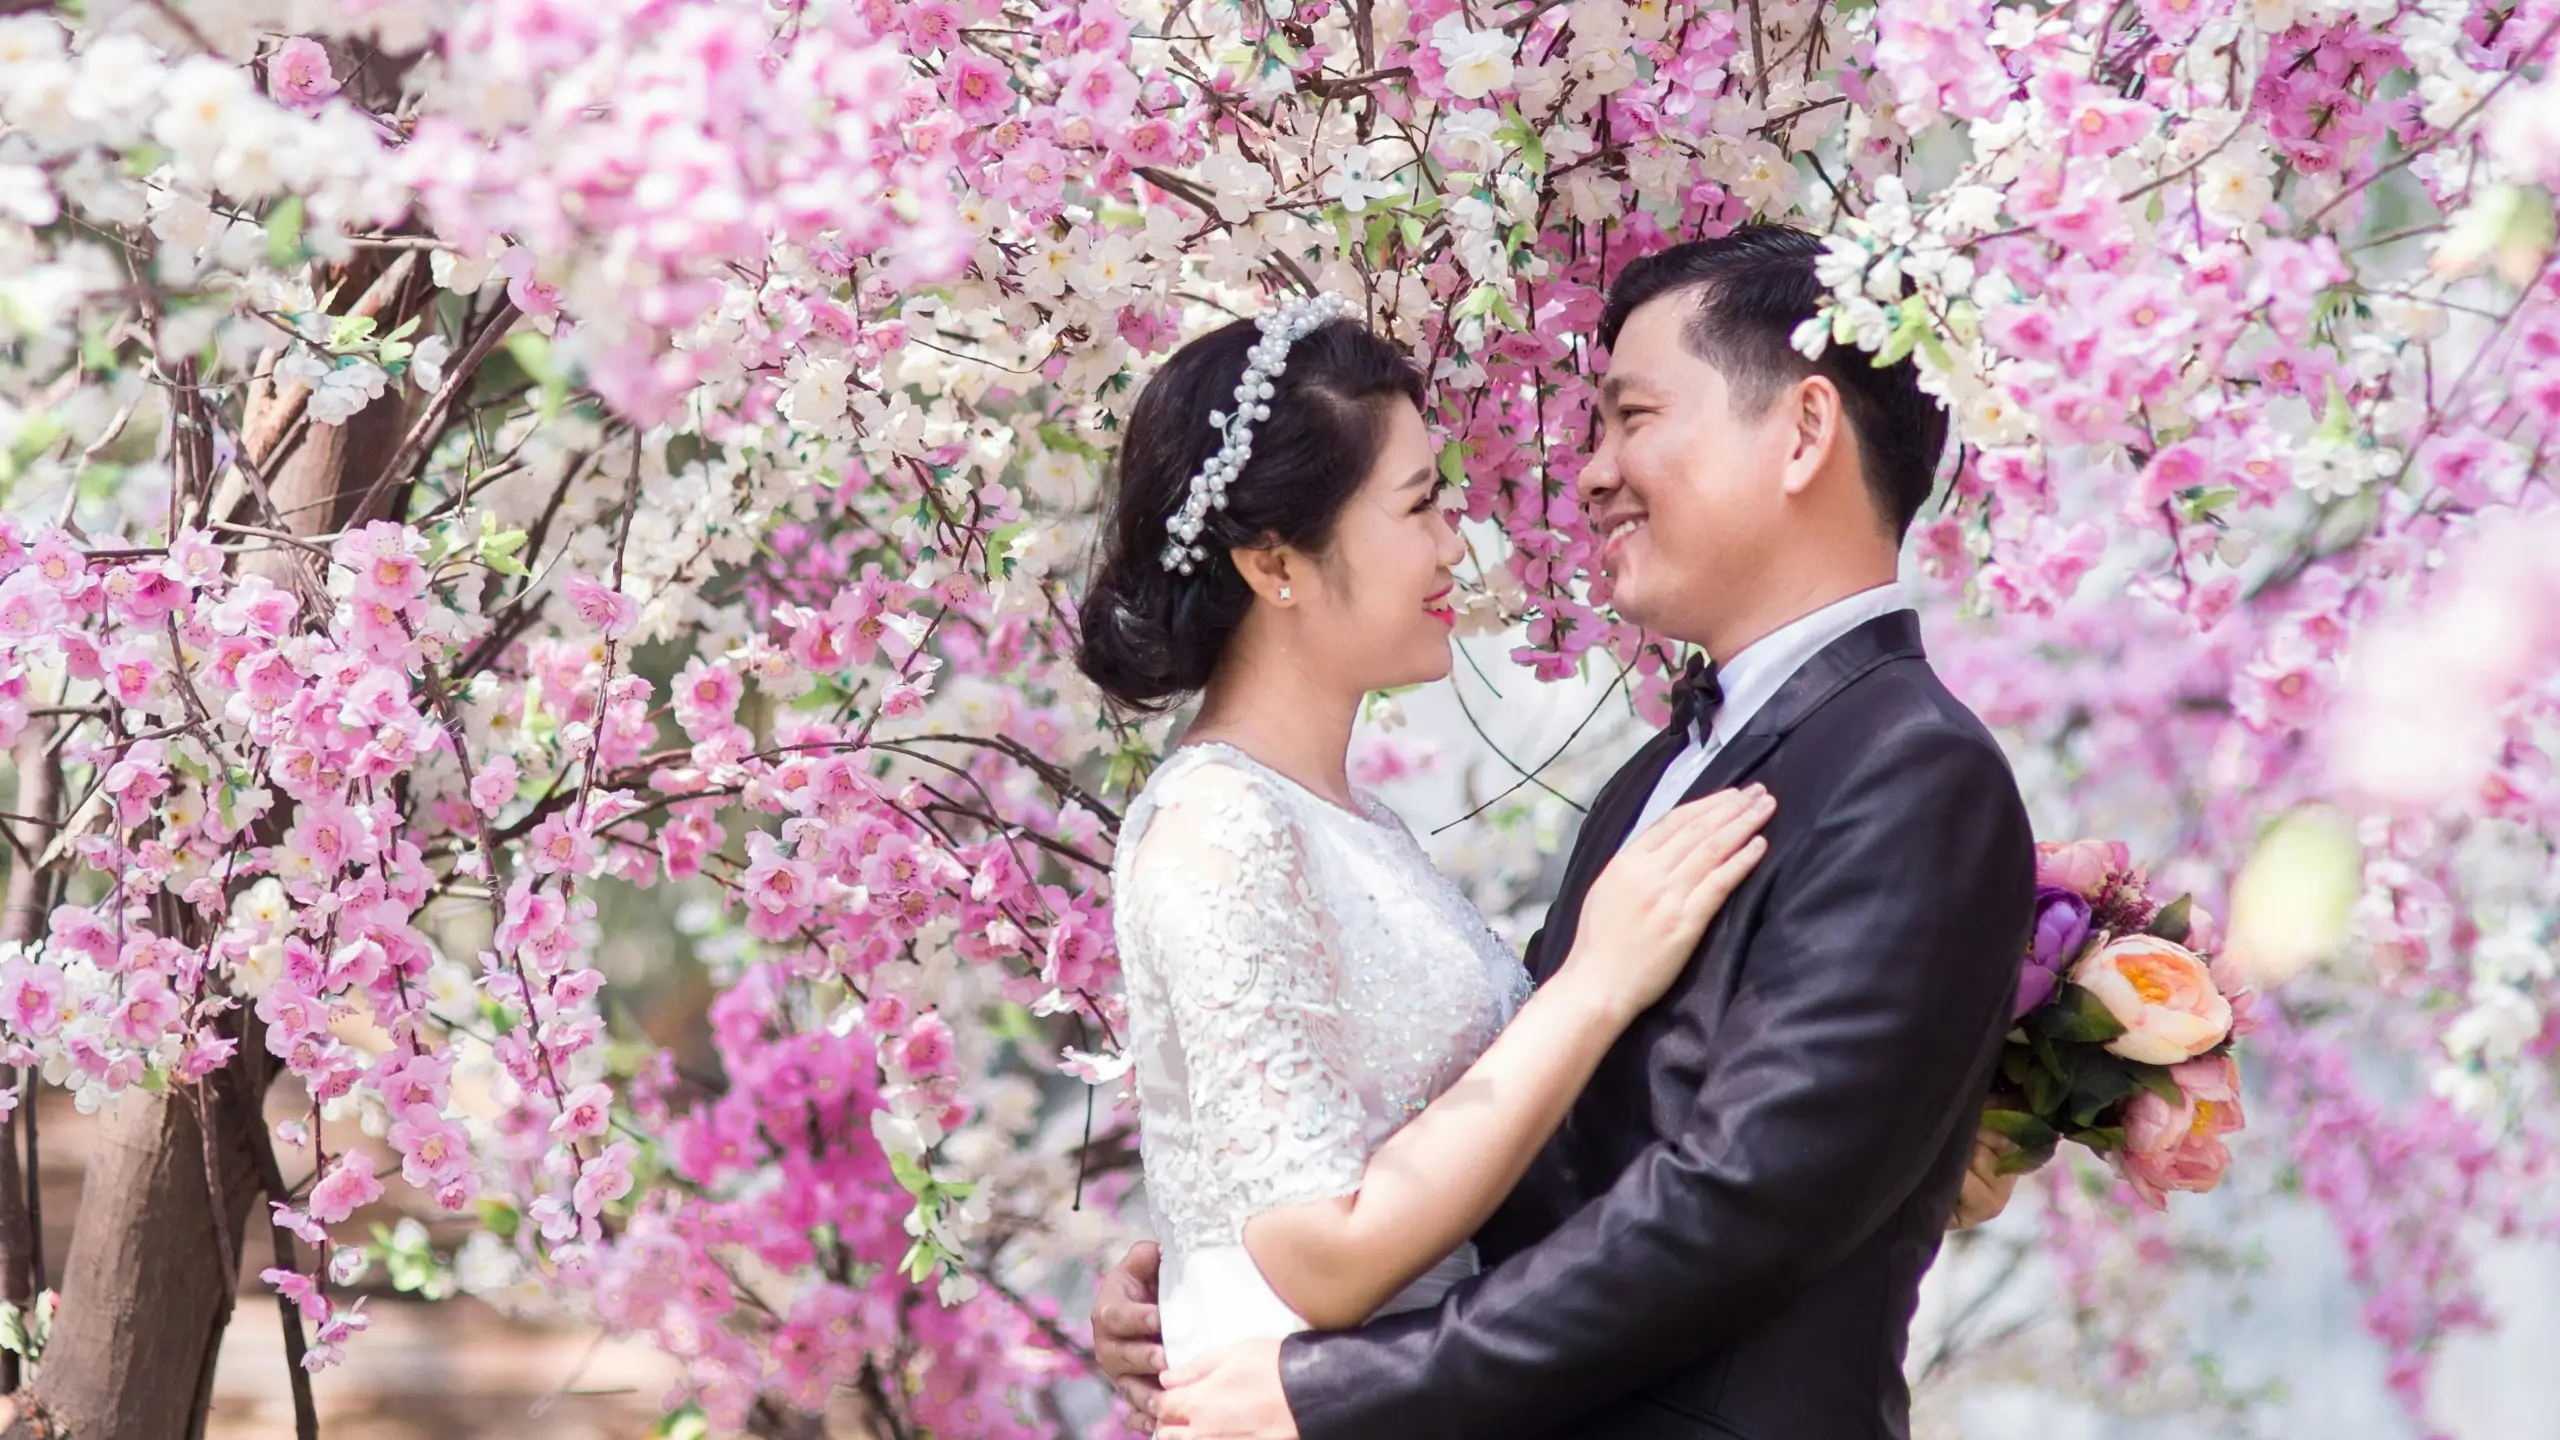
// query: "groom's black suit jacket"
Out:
[1726,1236]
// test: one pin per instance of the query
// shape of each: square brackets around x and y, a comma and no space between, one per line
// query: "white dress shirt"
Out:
[1750,678]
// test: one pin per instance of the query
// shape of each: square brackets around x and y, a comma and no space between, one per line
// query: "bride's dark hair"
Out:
[1148,635]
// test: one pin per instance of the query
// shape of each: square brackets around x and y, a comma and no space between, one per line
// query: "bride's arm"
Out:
[1429,1187]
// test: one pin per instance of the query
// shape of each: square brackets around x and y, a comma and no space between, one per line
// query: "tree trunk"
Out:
[154,1264]
[147,1291]
[39,769]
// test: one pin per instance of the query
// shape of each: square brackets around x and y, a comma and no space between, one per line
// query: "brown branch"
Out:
[1056,778]
[431,419]
[281,537]
[37,1280]
[1324,89]
[1774,123]
[1179,188]
[875,1401]
[306,1414]
[1759,60]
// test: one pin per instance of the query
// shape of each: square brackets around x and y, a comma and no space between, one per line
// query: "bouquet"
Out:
[2124,1029]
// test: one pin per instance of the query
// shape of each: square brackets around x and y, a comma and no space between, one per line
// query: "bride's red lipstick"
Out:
[1438,608]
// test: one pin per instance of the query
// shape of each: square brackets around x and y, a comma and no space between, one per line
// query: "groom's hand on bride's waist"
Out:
[1128,1336]
[1229,1394]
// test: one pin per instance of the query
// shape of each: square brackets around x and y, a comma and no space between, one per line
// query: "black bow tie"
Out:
[1695,696]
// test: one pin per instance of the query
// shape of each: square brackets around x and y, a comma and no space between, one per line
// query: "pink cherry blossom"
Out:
[31,996]
[343,1188]
[601,607]
[298,73]
[587,1111]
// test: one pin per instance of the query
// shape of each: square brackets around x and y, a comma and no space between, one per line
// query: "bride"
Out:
[1341,1071]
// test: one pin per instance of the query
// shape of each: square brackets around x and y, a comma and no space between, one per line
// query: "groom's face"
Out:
[1685,493]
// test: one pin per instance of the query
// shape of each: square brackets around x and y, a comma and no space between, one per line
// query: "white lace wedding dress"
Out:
[1301,981]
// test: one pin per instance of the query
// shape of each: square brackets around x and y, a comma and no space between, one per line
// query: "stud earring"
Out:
[1284,592]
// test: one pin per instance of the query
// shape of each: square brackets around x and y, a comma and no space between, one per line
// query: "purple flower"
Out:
[2062,927]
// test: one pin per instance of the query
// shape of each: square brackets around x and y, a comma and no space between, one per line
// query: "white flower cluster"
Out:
[2484,1045]
[1269,356]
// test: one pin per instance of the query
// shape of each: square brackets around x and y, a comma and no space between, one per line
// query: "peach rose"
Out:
[2179,1147]
[2081,866]
[2161,993]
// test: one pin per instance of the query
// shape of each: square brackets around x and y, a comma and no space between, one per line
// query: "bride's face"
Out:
[1380,601]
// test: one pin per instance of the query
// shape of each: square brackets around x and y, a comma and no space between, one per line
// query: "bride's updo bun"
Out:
[1149,635]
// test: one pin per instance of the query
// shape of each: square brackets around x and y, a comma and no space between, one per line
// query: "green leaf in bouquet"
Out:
[2157,1080]
[2015,1062]
[2046,1091]
[2077,1016]
[2020,1129]
[2048,1059]
[2094,1089]
[2175,920]
[2104,1139]
[2025,1160]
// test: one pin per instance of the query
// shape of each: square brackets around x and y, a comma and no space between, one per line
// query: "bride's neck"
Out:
[1285,715]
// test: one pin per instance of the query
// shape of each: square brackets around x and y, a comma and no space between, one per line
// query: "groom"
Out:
[1726,1236]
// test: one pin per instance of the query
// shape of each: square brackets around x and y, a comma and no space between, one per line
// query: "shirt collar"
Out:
[1754,675]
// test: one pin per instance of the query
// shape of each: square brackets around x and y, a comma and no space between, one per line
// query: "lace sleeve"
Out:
[1245,955]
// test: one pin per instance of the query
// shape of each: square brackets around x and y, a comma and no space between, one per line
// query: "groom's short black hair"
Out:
[1754,286]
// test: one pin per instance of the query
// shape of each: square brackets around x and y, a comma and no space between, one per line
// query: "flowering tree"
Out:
[460,459]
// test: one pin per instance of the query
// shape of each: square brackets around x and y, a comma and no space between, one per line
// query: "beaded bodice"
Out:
[1301,980]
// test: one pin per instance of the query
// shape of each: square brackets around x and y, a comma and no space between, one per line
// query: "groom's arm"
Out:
[1881,972]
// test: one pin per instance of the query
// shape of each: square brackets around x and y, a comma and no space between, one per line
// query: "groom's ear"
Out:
[1815,426]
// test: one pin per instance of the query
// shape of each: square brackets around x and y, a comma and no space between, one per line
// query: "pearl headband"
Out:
[1269,356]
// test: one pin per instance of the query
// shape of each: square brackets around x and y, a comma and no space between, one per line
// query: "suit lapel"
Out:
[1887,637]
[1894,636]
[1603,831]
[1732,764]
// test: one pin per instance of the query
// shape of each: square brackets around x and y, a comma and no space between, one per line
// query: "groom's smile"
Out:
[1615,535]
[1725,503]
[1668,490]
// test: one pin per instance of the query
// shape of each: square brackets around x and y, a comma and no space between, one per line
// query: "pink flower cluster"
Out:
[282,720]
[674,146]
